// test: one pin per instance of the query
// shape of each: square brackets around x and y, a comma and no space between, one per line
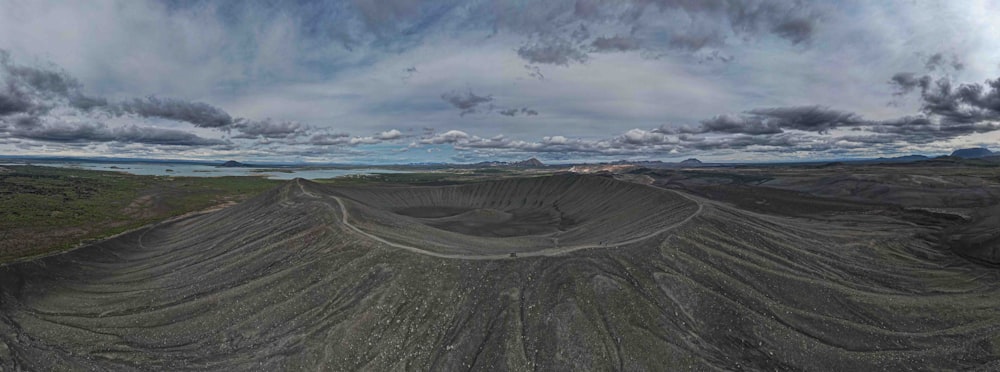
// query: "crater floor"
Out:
[554,213]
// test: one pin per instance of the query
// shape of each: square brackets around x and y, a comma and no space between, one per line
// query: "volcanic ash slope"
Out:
[281,283]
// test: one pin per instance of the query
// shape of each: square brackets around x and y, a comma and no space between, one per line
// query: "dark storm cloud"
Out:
[695,42]
[955,105]
[13,101]
[97,132]
[807,118]
[46,104]
[49,81]
[87,103]
[921,129]
[515,112]
[614,44]
[269,128]
[38,89]
[796,30]
[775,120]
[734,124]
[198,113]
[44,80]
[22,120]
[160,136]
[25,84]
[783,142]
[467,102]
[906,82]
[553,52]
[64,132]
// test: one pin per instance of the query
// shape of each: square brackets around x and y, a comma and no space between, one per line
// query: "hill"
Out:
[530,163]
[312,274]
[692,162]
[233,164]
[972,153]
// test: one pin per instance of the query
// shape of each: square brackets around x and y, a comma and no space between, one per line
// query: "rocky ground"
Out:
[730,278]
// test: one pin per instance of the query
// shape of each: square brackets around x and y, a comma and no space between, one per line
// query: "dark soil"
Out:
[280,283]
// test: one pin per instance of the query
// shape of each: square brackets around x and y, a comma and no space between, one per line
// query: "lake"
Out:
[194,170]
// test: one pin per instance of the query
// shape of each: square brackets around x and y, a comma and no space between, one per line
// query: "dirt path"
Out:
[554,251]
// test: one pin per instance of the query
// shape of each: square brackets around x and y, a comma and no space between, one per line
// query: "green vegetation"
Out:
[46,209]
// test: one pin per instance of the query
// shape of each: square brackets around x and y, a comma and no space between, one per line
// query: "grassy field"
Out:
[46,209]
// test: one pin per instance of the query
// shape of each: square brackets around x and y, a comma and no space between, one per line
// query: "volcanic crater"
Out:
[540,215]
[422,278]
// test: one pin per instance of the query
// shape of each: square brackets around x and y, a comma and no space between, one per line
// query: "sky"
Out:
[407,81]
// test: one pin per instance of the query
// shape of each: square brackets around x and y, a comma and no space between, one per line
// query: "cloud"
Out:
[269,129]
[656,26]
[320,68]
[86,132]
[775,120]
[807,118]
[614,44]
[732,124]
[796,30]
[449,137]
[329,139]
[965,108]
[47,104]
[65,132]
[14,101]
[161,136]
[391,134]
[39,90]
[552,52]
[345,139]
[535,72]
[906,82]
[934,61]
[467,102]
[515,112]
[198,113]
[939,62]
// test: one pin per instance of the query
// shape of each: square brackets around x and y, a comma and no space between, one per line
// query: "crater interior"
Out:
[516,215]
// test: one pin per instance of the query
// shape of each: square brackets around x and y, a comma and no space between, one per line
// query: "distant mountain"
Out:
[972,153]
[530,163]
[692,162]
[901,159]
[233,164]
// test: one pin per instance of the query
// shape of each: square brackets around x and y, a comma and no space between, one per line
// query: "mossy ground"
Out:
[48,209]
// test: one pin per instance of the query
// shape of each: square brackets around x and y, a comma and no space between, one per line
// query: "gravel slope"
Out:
[280,283]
